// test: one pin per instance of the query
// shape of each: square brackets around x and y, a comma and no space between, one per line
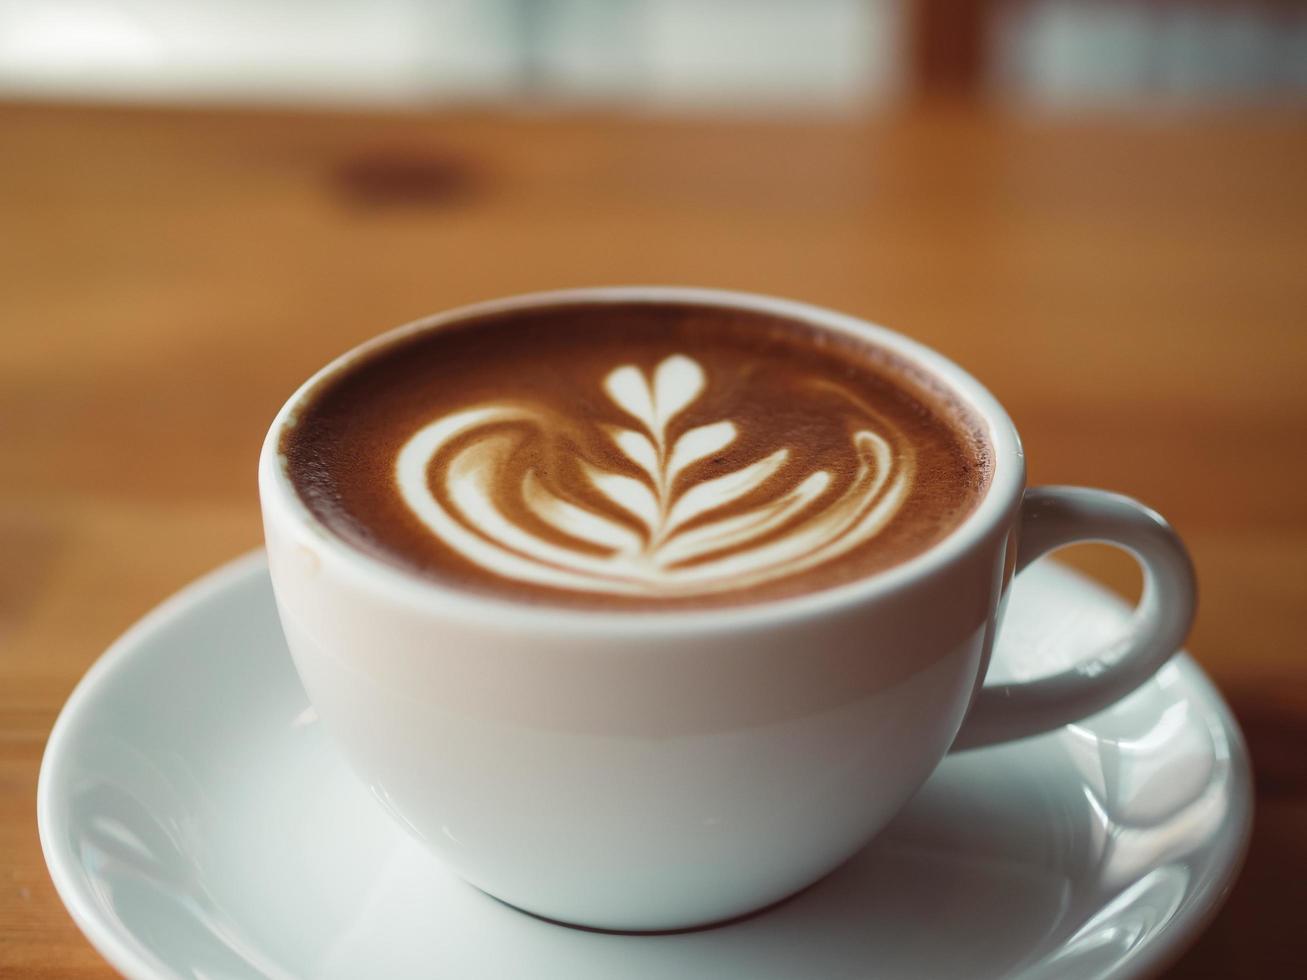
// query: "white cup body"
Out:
[646,770]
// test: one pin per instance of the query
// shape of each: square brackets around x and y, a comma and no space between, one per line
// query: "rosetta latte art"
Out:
[669,525]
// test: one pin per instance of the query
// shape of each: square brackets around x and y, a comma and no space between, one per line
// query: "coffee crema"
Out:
[635,454]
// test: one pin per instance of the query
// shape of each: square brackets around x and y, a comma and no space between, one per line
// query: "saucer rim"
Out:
[119,947]
[124,953]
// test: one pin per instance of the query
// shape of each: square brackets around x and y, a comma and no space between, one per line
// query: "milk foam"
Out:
[769,518]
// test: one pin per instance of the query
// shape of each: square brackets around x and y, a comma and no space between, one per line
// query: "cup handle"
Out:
[1052,517]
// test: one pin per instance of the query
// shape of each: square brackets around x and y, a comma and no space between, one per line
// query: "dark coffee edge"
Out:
[929,390]
[891,366]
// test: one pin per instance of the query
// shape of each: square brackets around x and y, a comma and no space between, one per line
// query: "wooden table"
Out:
[1134,289]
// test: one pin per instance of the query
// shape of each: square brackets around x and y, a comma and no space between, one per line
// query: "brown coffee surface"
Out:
[646,455]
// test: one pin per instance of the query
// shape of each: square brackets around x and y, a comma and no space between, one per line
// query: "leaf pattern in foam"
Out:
[629,494]
[577,522]
[638,449]
[688,544]
[677,382]
[741,529]
[699,443]
[712,494]
[627,387]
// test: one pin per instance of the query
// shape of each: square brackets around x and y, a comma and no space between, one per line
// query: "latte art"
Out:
[642,455]
[663,523]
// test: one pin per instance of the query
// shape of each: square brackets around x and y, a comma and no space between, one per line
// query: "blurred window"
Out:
[684,53]
[755,55]
[1111,51]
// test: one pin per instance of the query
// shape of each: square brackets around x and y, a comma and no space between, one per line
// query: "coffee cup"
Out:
[657,762]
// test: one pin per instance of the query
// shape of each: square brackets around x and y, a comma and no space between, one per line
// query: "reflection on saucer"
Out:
[199,822]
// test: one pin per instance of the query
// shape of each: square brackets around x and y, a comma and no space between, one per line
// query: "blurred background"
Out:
[747,55]
[1099,207]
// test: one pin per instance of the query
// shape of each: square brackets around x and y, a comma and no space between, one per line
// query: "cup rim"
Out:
[1006,485]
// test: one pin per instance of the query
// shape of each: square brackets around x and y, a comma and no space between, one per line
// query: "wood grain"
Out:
[1133,289]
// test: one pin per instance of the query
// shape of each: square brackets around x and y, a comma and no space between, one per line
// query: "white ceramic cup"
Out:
[659,770]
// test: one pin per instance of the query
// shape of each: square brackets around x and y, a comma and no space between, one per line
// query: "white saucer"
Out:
[197,822]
